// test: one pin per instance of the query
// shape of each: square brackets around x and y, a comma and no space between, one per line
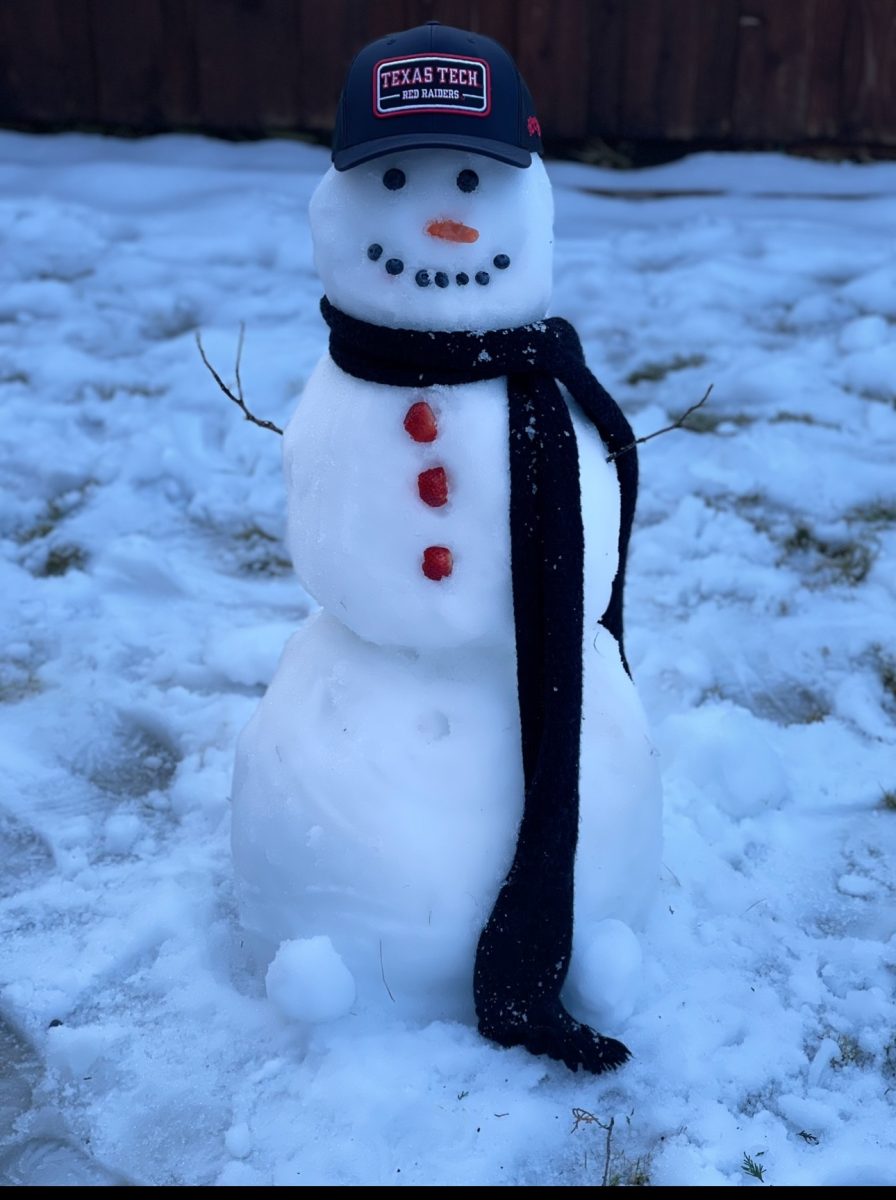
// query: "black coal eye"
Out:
[394,179]
[468,181]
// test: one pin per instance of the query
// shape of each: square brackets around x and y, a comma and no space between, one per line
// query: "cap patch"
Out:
[431,83]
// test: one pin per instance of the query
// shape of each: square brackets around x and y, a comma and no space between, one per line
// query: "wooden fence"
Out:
[628,72]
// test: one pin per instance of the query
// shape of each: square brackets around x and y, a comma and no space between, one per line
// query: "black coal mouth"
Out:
[441,279]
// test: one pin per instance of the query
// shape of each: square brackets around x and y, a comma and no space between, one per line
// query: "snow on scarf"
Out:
[524,950]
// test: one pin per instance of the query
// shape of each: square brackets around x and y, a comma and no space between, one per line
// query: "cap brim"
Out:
[353,156]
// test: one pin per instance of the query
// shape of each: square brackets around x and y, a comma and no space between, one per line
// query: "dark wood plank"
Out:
[178,96]
[748,103]
[225,68]
[46,64]
[605,40]
[11,74]
[387,16]
[249,55]
[450,12]
[705,110]
[551,52]
[393,16]
[497,19]
[717,54]
[823,98]
[868,79]
[276,25]
[677,67]
[130,63]
[642,46]
[772,72]
[676,81]
[330,35]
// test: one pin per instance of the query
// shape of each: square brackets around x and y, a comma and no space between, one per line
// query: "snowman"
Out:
[447,803]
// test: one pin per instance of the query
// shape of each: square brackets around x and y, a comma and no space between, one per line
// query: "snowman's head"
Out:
[437,213]
[436,239]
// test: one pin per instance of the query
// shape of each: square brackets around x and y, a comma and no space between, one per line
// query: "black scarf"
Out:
[524,949]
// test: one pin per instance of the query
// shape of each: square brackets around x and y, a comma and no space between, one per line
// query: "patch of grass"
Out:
[875,394]
[24,854]
[653,372]
[877,513]
[798,705]
[56,511]
[752,507]
[61,560]
[43,525]
[888,799]
[791,418]
[887,672]
[17,681]
[631,1172]
[618,1170]
[789,704]
[108,391]
[16,377]
[182,317]
[830,924]
[851,1053]
[60,276]
[261,553]
[254,533]
[888,1068]
[831,561]
[884,666]
[140,760]
[706,421]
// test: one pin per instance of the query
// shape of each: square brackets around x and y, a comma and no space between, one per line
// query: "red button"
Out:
[437,562]
[420,422]
[433,487]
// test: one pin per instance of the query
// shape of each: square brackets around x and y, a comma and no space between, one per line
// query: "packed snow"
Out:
[148,596]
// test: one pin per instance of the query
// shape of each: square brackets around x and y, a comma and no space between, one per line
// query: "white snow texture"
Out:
[147,595]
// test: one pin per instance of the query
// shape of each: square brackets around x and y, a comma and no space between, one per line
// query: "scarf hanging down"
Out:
[524,949]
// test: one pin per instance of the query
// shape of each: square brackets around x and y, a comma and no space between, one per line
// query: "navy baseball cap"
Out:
[434,86]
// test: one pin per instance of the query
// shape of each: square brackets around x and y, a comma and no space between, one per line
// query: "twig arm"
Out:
[666,429]
[238,398]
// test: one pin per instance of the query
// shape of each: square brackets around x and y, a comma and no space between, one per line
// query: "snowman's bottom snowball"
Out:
[308,981]
[377,797]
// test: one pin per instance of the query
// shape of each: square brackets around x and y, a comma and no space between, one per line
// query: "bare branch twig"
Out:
[609,1131]
[667,429]
[239,359]
[583,1117]
[238,398]
[383,973]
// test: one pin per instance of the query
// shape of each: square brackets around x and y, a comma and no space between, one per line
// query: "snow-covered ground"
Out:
[146,597]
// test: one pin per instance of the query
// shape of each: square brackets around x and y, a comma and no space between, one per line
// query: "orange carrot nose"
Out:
[452,231]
